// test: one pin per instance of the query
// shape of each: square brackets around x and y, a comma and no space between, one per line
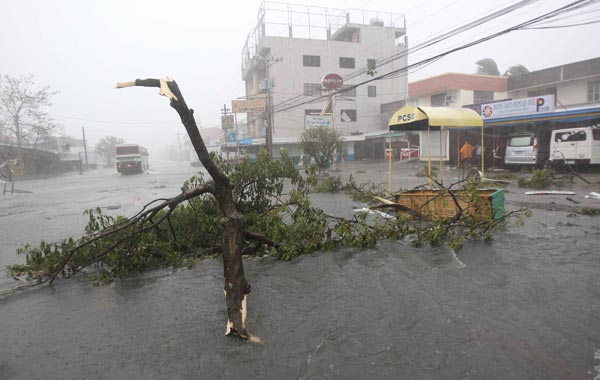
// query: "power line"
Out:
[428,43]
[571,6]
[564,26]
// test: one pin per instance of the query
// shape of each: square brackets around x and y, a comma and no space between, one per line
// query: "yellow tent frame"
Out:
[412,118]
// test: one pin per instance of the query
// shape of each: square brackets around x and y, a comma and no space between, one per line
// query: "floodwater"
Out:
[526,306]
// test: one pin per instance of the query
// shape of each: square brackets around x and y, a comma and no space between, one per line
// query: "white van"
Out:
[526,149]
[575,146]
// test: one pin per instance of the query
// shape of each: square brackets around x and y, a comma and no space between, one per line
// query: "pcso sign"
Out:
[406,118]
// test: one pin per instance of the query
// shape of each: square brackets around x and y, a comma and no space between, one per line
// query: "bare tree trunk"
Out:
[235,286]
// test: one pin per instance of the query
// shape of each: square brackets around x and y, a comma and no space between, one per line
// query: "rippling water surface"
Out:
[522,307]
[526,306]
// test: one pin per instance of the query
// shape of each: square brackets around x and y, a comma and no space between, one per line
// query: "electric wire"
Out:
[573,5]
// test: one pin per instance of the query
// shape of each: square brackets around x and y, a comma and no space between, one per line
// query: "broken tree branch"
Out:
[234,222]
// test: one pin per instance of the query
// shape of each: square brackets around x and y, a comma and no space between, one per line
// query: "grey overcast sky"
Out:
[81,48]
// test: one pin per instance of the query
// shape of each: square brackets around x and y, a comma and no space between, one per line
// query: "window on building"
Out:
[348,116]
[346,63]
[438,100]
[348,90]
[413,102]
[483,96]
[312,89]
[371,64]
[372,91]
[311,60]
[543,91]
[593,92]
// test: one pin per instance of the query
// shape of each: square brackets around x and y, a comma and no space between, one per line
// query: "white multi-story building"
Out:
[295,46]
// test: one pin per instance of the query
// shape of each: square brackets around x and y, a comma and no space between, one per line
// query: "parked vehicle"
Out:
[575,146]
[527,149]
[131,158]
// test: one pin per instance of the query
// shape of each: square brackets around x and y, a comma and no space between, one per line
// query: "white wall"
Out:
[290,76]
[567,93]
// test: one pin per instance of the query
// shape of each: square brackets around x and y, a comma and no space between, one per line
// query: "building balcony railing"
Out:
[310,22]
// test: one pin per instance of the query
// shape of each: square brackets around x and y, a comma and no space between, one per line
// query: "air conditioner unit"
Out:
[450,98]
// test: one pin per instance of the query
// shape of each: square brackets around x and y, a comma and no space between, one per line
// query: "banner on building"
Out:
[257,105]
[227,121]
[315,121]
[516,107]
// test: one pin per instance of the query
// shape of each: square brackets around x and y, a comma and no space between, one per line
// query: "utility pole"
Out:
[84,148]
[269,111]
[225,112]
[180,155]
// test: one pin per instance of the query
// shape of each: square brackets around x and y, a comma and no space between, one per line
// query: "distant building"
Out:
[574,84]
[453,90]
[298,45]
[542,100]
[72,153]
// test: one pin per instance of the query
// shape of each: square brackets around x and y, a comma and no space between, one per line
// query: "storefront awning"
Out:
[433,118]
[566,116]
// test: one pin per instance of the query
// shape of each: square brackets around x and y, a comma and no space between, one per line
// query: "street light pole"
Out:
[85,149]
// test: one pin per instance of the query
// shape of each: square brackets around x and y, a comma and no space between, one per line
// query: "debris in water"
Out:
[593,195]
[383,214]
[550,192]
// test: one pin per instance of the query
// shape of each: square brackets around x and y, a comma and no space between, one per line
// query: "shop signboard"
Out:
[332,81]
[257,105]
[315,121]
[227,121]
[517,107]
[231,137]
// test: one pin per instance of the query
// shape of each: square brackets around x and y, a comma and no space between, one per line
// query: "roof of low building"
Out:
[457,81]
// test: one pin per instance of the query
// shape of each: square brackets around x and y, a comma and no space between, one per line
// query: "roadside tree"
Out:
[516,70]
[321,144]
[106,147]
[22,107]
[487,66]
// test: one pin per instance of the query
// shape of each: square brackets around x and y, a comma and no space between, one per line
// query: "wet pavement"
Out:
[525,306]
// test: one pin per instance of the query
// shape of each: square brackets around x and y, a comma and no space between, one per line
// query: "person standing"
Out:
[466,152]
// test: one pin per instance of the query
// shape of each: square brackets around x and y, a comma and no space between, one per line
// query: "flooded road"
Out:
[526,306]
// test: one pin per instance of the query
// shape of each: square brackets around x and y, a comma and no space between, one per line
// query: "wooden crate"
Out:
[439,204]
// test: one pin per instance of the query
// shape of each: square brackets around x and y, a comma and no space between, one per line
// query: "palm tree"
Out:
[487,66]
[516,70]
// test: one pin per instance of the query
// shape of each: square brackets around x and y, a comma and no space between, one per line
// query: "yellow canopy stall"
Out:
[429,119]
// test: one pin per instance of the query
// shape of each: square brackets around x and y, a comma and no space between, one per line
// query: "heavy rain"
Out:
[376,105]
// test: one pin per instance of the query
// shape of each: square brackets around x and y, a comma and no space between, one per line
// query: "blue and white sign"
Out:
[231,137]
[516,107]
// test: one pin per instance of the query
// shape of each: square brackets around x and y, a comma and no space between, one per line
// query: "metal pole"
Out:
[269,115]
[84,148]
[390,161]
[482,155]
[441,169]
[458,149]
[333,116]
[429,154]
[237,140]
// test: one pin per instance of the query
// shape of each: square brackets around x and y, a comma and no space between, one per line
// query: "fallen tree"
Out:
[241,209]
